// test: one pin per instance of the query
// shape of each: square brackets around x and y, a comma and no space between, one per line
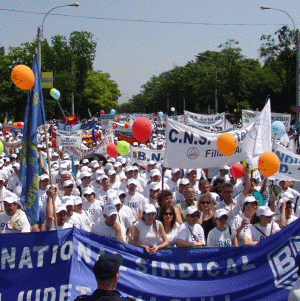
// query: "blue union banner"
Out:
[57,265]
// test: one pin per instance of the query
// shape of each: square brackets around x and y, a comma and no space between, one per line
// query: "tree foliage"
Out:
[71,62]
[239,82]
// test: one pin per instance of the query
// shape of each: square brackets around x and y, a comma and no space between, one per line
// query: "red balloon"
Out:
[114,126]
[111,150]
[142,128]
[237,170]
[19,124]
[102,112]
[126,125]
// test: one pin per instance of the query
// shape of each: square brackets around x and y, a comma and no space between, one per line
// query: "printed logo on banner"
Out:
[193,153]
[283,263]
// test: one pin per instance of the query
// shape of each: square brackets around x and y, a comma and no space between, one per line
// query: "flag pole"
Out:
[48,157]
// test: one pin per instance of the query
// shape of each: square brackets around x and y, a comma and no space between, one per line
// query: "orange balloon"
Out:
[15,124]
[116,119]
[268,164]
[23,77]
[227,144]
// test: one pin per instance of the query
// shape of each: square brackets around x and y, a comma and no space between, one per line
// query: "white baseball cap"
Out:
[149,208]
[264,211]
[88,190]
[68,183]
[191,210]
[174,170]
[183,181]
[10,200]
[109,210]
[85,161]
[250,199]
[154,186]
[67,200]
[43,177]
[154,172]
[85,174]
[60,208]
[226,167]
[132,181]
[77,200]
[220,212]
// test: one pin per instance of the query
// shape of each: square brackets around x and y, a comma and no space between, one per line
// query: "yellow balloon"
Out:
[227,144]
[268,164]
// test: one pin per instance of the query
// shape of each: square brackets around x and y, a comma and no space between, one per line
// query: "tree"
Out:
[279,55]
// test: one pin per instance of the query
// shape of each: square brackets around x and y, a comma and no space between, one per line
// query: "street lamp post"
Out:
[41,29]
[263,7]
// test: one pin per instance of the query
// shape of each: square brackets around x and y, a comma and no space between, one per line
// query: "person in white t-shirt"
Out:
[135,200]
[148,233]
[61,214]
[262,226]
[173,181]
[108,225]
[285,207]
[78,209]
[13,220]
[75,219]
[91,206]
[221,235]
[190,233]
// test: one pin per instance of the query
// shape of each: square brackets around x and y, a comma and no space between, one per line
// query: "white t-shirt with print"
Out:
[147,234]
[257,233]
[191,233]
[4,218]
[217,238]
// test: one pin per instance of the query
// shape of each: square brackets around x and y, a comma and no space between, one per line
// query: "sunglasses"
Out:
[195,215]
[223,218]
[168,213]
[205,202]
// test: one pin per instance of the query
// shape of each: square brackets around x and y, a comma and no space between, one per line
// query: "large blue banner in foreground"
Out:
[57,265]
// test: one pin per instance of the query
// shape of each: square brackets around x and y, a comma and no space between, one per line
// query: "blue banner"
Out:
[29,165]
[57,265]
[69,128]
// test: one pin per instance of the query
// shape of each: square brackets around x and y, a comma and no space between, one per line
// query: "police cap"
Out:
[107,266]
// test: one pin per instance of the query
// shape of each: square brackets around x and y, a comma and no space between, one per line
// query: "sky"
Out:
[134,51]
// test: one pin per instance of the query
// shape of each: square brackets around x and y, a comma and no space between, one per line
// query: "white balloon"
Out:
[173,109]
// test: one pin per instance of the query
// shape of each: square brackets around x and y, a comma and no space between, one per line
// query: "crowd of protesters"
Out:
[148,206]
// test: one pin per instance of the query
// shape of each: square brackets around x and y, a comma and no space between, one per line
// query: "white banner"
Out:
[66,138]
[100,148]
[289,164]
[215,120]
[142,156]
[187,147]
[248,116]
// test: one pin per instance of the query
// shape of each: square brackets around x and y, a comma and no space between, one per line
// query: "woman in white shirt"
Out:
[191,234]
[149,233]
[242,221]
[262,226]
[168,219]
[221,235]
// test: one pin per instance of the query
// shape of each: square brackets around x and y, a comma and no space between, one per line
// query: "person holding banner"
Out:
[222,235]
[148,233]
[190,233]
[261,226]
[168,218]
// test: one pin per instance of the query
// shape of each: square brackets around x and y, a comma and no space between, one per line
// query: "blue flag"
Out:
[6,117]
[29,167]
[94,138]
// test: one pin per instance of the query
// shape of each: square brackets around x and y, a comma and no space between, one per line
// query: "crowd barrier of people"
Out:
[148,206]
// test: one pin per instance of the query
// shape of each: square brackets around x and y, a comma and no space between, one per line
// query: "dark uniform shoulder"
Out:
[101,295]
[83,298]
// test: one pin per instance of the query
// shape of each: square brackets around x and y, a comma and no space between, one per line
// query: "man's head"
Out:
[131,186]
[68,187]
[175,174]
[110,214]
[105,183]
[191,175]
[189,194]
[204,186]
[10,206]
[106,270]
[224,170]
[44,181]
[227,192]
[89,194]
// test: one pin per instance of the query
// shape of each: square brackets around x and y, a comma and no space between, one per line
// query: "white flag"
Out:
[258,140]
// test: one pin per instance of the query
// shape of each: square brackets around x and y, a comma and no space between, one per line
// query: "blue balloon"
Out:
[277,129]
[161,114]
[10,122]
[112,111]
[56,94]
